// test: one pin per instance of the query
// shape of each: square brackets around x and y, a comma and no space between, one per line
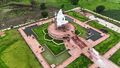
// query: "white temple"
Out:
[60,18]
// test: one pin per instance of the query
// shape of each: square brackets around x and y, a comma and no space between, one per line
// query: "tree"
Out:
[44,14]
[43,6]
[62,6]
[33,4]
[74,2]
[100,8]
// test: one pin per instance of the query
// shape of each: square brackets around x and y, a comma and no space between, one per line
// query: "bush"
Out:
[62,6]
[43,6]
[100,8]
[74,2]
[33,4]
[44,14]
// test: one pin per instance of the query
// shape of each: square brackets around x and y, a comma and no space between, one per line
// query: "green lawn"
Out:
[110,42]
[77,16]
[54,53]
[80,30]
[81,62]
[116,58]
[56,49]
[52,59]
[15,53]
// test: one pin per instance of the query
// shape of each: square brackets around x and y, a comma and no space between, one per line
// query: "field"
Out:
[112,7]
[10,13]
[15,53]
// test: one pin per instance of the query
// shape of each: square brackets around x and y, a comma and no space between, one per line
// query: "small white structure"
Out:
[97,58]
[94,54]
[60,18]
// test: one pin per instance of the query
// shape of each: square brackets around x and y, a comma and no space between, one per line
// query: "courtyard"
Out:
[39,50]
[55,49]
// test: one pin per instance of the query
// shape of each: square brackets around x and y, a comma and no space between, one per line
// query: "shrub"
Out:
[62,6]
[100,8]
[43,6]
[44,14]
[33,4]
[74,2]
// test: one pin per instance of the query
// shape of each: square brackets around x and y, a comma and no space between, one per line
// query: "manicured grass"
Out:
[77,16]
[52,59]
[48,37]
[15,53]
[58,41]
[56,49]
[81,62]
[116,58]
[108,43]
[82,31]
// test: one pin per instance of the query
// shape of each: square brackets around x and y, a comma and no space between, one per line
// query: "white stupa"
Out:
[60,19]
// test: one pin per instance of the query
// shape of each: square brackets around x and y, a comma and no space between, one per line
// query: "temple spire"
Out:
[60,18]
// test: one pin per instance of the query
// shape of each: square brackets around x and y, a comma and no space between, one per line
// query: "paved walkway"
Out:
[108,62]
[112,51]
[111,26]
[84,51]
[74,49]
[93,43]
[103,22]
[108,54]
[100,21]
[36,48]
